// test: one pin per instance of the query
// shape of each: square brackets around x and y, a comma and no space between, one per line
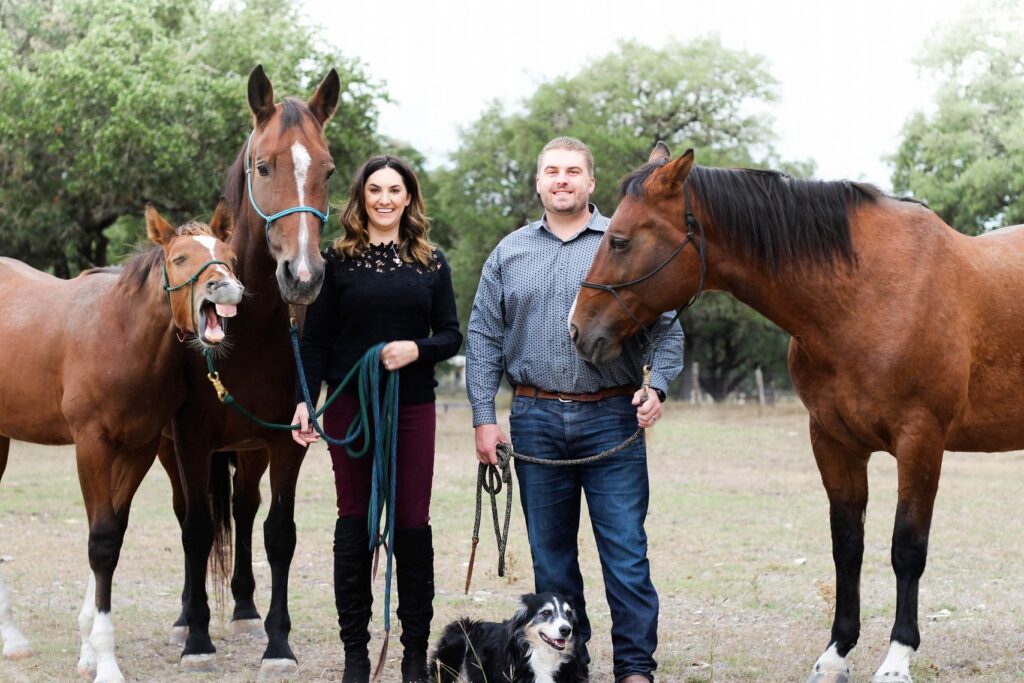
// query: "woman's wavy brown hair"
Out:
[414,229]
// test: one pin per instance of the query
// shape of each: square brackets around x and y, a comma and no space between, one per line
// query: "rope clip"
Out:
[218,386]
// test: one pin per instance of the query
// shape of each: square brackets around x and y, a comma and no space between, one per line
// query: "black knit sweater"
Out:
[374,298]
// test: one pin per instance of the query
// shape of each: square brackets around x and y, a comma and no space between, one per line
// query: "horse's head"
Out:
[199,273]
[644,265]
[286,168]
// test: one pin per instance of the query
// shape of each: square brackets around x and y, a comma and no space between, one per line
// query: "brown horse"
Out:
[95,361]
[277,191]
[905,337]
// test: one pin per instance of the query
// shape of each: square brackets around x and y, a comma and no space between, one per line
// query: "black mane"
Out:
[776,219]
[293,112]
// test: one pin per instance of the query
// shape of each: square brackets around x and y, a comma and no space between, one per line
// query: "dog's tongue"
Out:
[560,642]
[214,333]
[226,310]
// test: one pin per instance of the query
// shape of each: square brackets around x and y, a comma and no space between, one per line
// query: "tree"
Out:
[966,159]
[695,94]
[109,104]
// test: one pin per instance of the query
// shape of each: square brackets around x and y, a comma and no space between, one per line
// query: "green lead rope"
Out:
[383,411]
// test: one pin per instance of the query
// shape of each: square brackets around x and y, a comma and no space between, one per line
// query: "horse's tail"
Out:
[221,555]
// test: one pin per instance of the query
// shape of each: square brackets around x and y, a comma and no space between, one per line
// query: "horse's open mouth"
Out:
[557,643]
[212,321]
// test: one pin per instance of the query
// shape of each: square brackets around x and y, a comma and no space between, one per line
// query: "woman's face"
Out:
[385,197]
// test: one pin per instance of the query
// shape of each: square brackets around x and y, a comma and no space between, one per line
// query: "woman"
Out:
[384,282]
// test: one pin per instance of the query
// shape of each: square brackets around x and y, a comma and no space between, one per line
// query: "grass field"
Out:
[740,552]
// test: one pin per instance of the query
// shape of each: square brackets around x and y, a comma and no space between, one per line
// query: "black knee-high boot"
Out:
[352,594]
[414,555]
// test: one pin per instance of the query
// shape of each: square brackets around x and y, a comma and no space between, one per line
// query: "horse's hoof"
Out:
[277,669]
[249,627]
[892,677]
[114,677]
[85,672]
[17,650]
[179,634]
[198,662]
[829,677]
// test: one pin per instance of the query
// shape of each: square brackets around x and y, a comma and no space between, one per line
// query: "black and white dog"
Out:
[537,645]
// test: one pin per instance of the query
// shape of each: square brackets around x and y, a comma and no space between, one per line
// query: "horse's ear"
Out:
[325,99]
[157,227]
[220,224]
[660,152]
[680,168]
[261,95]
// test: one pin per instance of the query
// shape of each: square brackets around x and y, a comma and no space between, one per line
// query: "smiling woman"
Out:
[384,283]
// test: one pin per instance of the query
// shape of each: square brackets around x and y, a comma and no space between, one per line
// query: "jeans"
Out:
[617,491]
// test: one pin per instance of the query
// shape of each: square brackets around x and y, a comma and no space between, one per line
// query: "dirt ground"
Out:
[740,552]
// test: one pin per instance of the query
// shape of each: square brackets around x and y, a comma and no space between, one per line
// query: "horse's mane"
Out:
[776,219]
[135,271]
[293,112]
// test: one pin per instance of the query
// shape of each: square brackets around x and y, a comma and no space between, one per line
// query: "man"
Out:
[565,408]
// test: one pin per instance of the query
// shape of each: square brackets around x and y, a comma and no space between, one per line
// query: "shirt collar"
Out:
[595,222]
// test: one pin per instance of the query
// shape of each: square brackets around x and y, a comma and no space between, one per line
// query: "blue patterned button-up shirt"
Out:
[519,324]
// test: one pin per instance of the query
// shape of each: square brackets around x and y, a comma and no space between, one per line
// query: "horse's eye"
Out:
[619,243]
[262,169]
[330,172]
[178,260]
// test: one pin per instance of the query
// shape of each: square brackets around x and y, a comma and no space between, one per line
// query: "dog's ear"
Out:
[522,613]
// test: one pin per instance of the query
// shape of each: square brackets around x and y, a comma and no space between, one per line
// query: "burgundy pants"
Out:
[417,424]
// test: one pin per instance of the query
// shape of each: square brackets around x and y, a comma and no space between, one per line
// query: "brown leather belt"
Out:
[534,392]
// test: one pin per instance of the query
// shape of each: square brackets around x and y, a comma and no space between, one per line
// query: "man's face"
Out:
[563,182]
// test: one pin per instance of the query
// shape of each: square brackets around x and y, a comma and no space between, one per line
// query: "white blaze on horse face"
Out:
[896,667]
[301,161]
[210,244]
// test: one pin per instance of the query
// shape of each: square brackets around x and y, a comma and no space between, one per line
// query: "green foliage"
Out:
[109,104]
[966,158]
[729,341]
[695,94]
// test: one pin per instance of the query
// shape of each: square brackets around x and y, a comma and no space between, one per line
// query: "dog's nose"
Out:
[565,631]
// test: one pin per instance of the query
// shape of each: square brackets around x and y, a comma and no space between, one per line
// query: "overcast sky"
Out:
[846,72]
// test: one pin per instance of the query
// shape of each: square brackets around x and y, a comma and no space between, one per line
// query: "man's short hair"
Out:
[571,144]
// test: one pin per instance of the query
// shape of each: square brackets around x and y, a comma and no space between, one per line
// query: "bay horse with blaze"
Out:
[906,337]
[97,361]
[277,191]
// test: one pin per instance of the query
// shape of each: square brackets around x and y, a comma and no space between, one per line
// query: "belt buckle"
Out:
[563,400]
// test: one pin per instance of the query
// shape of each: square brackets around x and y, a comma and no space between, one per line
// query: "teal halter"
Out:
[191,292]
[280,214]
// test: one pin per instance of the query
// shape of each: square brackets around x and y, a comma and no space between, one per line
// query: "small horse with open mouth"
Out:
[101,364]
[906,337]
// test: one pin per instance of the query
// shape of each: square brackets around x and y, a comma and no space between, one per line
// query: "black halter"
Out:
[693,228]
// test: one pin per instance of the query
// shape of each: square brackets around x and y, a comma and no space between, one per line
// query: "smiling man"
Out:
[564,408]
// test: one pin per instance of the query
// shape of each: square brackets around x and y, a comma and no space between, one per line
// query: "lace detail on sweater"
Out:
[385,258]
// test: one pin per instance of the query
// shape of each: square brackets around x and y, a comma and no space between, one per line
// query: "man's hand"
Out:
[487,439]
[305,434]
[648,412]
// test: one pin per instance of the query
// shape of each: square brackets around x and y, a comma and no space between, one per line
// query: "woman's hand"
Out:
[305,434]
[397,354]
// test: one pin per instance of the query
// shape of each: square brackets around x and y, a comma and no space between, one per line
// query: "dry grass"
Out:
[739,548]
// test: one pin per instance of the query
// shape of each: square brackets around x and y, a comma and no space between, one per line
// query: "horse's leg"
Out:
[196,540]
[249,470]
[279,538]
[918,463]
[106,533]
[169,461]
[15,644]
[845,477]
